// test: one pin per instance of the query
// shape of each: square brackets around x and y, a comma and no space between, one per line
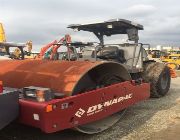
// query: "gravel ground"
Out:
[153,119]
[178,72]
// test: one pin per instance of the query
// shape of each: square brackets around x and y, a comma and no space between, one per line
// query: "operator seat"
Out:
[112,53]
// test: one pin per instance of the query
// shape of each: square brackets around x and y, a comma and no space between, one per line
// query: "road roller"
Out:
[92,93]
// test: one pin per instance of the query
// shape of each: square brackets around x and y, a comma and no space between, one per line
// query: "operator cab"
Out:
[131,54]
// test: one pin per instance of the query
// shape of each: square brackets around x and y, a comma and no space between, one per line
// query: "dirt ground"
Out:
[153,119]
[178,73]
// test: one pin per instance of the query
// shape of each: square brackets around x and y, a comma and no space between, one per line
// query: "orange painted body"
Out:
[60,76]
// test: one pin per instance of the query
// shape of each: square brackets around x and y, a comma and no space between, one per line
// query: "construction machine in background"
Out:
[158,54]
[175,51]
[2,34]
[162,56]
[173,61]
[50,51]
[19,48]
[92,93]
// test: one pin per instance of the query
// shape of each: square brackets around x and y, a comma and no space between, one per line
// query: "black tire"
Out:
[158,75]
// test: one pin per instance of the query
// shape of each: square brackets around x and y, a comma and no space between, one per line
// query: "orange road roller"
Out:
[89,94]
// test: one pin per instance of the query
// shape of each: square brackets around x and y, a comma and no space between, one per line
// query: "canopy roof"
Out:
[110,27]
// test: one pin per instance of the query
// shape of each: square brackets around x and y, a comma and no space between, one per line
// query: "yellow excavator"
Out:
[18,52]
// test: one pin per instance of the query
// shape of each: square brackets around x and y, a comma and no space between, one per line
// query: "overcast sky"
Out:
[45,20]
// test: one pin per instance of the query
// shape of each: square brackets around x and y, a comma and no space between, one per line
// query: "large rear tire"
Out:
[158,75]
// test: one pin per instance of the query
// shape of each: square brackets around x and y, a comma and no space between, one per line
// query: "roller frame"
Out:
[72,111]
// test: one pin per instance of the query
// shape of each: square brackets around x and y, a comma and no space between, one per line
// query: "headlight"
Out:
[38,94]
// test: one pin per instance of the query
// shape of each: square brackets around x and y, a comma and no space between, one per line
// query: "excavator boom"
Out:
[2,34]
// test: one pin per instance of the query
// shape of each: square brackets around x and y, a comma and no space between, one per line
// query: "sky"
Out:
[45,20]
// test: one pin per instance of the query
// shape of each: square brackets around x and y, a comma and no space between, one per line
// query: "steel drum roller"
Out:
[69,77]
